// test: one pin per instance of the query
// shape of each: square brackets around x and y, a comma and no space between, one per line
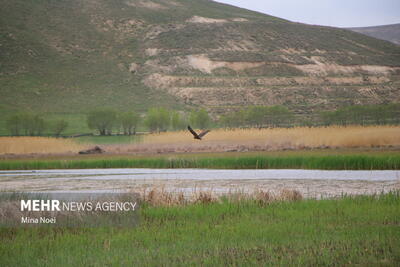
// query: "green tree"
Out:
[363,115]
[278,116]
[234,119]
[39,125]
[256,116]
[200,119]
[129,122]
[394,113]
[102,120]
[28,123]
[259,116]
[157,119]
[177,121]
[59,127]
[15,124]
[228,120]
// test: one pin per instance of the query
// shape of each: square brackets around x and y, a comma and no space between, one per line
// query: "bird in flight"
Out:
[197,136]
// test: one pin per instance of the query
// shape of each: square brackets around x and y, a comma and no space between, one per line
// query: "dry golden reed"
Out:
[37,145]
[159,196]
[296,138]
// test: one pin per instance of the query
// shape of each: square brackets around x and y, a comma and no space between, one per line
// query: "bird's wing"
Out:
[204,133]
[192,131]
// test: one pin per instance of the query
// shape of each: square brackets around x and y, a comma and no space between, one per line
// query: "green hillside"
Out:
[69,57]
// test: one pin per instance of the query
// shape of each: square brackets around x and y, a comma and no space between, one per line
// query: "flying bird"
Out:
[198,136]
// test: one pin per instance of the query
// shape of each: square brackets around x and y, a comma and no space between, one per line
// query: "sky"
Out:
[336,13]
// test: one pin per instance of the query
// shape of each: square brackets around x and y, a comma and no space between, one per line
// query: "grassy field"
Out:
[351,161]
[344,232]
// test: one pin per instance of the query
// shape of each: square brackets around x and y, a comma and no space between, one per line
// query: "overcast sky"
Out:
[337,13]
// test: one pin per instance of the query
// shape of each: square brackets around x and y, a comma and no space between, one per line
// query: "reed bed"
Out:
[221,140]
[159,196]
[269,139]
[37,145]
[304,161]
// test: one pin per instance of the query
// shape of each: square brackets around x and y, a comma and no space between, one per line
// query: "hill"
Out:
[68,57]
[389,33]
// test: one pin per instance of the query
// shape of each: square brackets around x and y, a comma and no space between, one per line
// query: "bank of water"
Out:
[311,183]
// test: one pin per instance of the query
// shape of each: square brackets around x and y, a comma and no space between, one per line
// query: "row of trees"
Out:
[33,125]
[107,121]
[259,116]
[363,115]
[279,116]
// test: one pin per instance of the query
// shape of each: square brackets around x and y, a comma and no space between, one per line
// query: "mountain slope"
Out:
[72,56]
[389,33]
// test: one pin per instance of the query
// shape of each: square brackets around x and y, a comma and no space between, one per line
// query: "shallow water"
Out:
[311,183]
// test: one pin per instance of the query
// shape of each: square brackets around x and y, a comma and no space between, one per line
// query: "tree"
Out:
[59,127]
[177,122]
[327,118]
[235,119]
[394,113]
[278,116]
[102,120]
[157,119]
[362,115]
[200,119]
[26,123]
[259,116]
[256,116]
[129,122]
[38,125]
[228,120]
[15,124]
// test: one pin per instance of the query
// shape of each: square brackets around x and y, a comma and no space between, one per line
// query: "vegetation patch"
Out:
[38,145]
[360,230]
[324,162]
[253,139]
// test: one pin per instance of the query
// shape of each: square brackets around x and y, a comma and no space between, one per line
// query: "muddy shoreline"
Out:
[310,187]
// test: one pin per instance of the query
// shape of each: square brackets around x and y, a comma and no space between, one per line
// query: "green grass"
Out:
[360,231]
[324,162]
